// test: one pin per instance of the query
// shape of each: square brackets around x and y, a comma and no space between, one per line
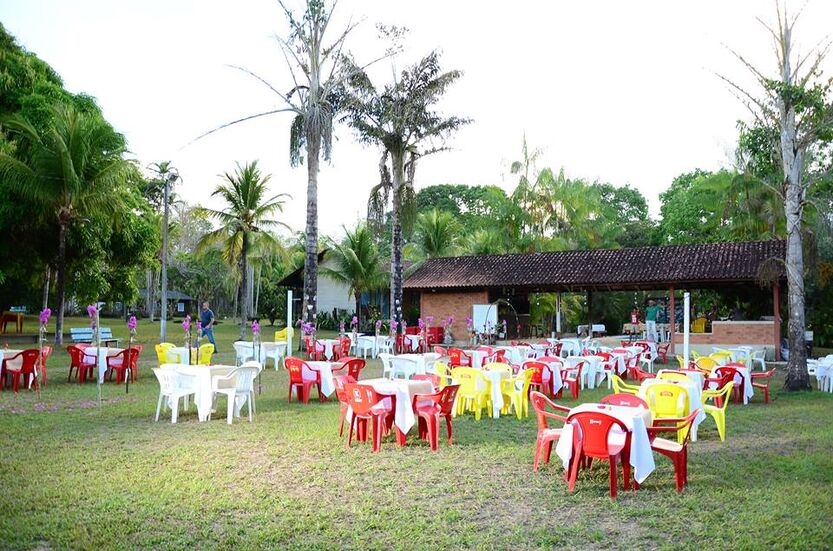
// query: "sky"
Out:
[619,92]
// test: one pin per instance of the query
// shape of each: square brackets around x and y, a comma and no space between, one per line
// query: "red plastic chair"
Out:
[368,405]
[595,443]
[295,367]
[662,351]
[767,376]
[627,400]
[555,350]
[343,348]
[738,389]
[46,352]
[80,362]
[572,382]
[430,408]
[121,362]
[340,382]
[430,377]
[546,435]
[677,452]
[459,358]
[441,351]
[538,381]
[29,360]
[639,375]
[352,365]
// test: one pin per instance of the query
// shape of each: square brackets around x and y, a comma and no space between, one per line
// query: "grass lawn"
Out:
[76,476]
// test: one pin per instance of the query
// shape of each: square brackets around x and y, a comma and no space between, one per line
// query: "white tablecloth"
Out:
[695,398]
[424,363]
[824,373]
[477,357]
[636,420]
[412,342]
[555,373]
[516,354]
[201,380]
[621,359]
[246,351]
[495,378]
[101,355]
[748,390]
[597,328]
[592,367]
[404,390]
[328,346]
[326,370]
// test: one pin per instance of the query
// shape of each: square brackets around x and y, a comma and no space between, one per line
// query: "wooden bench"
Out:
[85,335]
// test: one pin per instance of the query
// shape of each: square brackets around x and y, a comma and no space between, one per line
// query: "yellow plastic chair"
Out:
[475,391]
[515,391]
[706,364]
[718,413]
[681,361]
[671,376]
[668,400]
[444,373]
[162,353]
[280,336]
[621,387]
[498,366]
[694,354]
[698,325]
[205,353]
[722,357]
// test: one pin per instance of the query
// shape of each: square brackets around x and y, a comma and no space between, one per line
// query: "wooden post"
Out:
[672,319]
[776,314]
[590,313]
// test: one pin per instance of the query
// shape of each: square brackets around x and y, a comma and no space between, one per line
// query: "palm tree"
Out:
[246,218]
[169,175]
[436,234]
[401,119]
[73,168]
[358,264]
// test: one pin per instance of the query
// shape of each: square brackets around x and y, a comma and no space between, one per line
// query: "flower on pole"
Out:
[44,316]
[255,328]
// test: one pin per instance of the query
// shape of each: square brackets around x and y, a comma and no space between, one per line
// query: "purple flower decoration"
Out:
[299,323]
[199,327]
[354,322]
[421,324]
[91,310]
[378,324]
[468,322]
[44,316]
[131,323]
[341,326]
[307,328]
[393,325]
[450,320]
[186,324]
[255,327]
[429,320]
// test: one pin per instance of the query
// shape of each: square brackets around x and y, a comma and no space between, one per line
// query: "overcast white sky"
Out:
[623,92]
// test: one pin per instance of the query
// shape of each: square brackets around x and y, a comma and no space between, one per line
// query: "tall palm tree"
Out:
[169,175]
[246,217]
[73,168]
[436,234]
[402,119]
[358,264]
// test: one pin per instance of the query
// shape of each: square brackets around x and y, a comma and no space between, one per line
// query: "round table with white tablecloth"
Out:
[404,390]
[200,377]
[101,354]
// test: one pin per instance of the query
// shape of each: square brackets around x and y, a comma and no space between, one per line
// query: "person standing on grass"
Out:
[207,318]
[651,320]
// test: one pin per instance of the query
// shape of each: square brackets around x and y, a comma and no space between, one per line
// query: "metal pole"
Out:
[557,315]
[686,325]
[289,322]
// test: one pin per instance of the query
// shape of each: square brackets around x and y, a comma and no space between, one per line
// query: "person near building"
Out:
[651,320]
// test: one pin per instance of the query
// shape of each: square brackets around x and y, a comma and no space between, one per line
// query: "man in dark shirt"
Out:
[207,319]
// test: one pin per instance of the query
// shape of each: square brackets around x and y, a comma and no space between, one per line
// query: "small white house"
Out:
[331,294]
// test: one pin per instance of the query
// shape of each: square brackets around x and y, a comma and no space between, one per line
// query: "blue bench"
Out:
[85,335]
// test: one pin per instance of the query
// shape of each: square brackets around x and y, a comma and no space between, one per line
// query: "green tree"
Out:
[73,169]
[401,118]
[357,264]
[247,213]
[436,234]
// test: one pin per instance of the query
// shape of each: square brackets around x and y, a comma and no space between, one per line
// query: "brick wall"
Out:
[734,333]
[457,304]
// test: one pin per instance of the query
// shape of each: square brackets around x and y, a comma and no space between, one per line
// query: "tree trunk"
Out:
[46,283]
[150,299]
[163,314]
[309,304]
[358,295]
[257,293]
[398,176]
[60,283]
[792,162]
[244,286]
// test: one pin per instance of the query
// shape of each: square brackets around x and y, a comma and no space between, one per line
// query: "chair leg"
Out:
[448,427]
[251,402]
[158,407]
[614,479]
[230,408]
[174,411]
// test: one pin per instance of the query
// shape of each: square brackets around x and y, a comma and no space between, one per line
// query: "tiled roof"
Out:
[632,268]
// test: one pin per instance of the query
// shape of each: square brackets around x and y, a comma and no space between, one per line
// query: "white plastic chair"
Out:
[238,383]
[365,345]
[172,387]
[386,363]
[405,367]
[758,356]
[386,346]
[259,367]
[244,351]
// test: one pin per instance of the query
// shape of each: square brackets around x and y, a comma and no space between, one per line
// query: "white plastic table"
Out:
[201,376]
[179,354]
[326,370]
[477,357]
[328,346]
[101,355]
[695,398]
[413,341]
[404,390]
[635,420]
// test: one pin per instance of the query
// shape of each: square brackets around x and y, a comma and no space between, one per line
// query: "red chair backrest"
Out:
[726,372]
[621,399]
[344,345]
[606,355]
[566,370]
[556,349]
[46,352]
[537,370]
[500,356]
[29,359]
[354,366]
[433,379]
[458,357]
[76,355]
[595,430]
[361,398]
[295,366]
[540,403]
[340,381]
[441,351]
[446,399]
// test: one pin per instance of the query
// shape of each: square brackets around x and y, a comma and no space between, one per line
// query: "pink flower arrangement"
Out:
[429,320]
[378,324]
[186,324]
[354,322]
[131,323]
[393,325]
[91,310]
[44,316]
[307,328]
[421,324]
[341,326]
[255,327]
[468,323]
[199,328]
[450,320]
